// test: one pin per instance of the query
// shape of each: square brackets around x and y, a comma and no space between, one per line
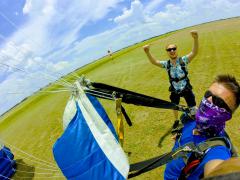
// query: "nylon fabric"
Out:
[7,163]
[79,152]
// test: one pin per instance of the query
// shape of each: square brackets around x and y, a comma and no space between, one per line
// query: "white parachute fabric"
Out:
[88,149]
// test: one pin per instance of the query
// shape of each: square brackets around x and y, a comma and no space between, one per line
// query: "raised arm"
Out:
[194,51]
[152,59]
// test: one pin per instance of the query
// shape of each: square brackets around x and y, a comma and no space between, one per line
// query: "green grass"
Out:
[35,125]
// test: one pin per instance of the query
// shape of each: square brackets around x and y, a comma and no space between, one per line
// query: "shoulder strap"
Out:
[183,66]
[181,61]
[233,148]
[169,74]
[194,160]
[150,164]
[168,65]
[215,141]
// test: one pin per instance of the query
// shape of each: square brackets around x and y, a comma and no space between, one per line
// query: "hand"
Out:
[194,34]
[146,48]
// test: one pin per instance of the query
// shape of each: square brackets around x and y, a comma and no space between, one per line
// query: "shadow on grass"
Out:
[23,171]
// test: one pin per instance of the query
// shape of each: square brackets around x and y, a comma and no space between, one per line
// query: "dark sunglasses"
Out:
[170,49]
[217,101]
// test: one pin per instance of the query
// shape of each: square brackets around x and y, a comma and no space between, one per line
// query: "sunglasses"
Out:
[217,101]
[170,49]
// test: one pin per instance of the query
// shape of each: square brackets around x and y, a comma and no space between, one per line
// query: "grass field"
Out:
[35,125]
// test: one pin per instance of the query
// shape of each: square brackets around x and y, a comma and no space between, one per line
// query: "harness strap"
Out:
[194,160]
[217,141]
[120,126]
[182,67]
[171,79]
[233,148]
[169,131]
[191,165]
[147,165]
[199,150]
[128,120]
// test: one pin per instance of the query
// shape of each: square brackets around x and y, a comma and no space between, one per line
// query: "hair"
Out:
[231,84]
[169,45]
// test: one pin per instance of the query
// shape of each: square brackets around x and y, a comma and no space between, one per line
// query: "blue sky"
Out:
[49,38]
[14,12]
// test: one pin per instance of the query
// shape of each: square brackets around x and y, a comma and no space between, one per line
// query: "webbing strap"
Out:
[175,129]
[171,79]
[194,160]
[211,143]
[182,151]
[147,165]
[140,165]
[120,126]
[128,120]
[106,91]
[183,69]
[130,97]
[191,165]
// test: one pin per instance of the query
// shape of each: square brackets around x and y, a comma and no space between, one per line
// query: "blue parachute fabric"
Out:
[7,163]
[101,111]
[77,152]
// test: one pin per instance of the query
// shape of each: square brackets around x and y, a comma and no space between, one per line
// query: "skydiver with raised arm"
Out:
[176,67]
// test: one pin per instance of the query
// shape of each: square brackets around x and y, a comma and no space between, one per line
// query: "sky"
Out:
[41,40]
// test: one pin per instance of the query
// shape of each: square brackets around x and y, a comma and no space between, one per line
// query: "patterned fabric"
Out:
[210,118]
[177,72]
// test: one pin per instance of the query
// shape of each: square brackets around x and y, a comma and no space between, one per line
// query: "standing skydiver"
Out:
[176,67]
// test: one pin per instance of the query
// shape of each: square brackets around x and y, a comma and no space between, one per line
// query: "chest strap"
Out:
[182,67]
[194,160]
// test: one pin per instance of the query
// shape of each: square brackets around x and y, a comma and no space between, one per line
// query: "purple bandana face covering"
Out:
[210,119]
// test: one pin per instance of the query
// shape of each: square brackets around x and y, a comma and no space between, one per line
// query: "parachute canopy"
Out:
[88,148]
[7,163]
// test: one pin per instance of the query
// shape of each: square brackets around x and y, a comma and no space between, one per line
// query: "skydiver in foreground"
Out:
[217,106]
[176,67]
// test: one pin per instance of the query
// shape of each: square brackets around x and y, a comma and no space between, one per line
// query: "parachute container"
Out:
[88,148]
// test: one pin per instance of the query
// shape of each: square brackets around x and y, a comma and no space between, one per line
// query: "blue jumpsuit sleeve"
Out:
[218,152]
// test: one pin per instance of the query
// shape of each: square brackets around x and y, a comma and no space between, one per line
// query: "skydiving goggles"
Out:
[217,101]
[170,49]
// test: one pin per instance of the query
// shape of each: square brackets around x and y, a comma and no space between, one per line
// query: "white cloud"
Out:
[133,15]
[27,7]
[17,87]
[49,7]
[153,5]
[58,67]
[52,26]
[184,13]
[179,15]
